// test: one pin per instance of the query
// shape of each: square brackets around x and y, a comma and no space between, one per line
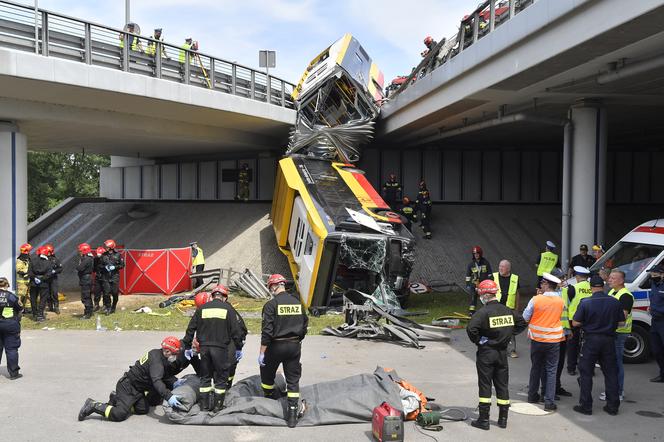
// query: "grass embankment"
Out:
[437,304]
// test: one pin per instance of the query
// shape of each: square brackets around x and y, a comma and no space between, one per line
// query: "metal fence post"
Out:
[212,84]
[88,43]
[45,34]
[187,59]
[512,8]
[125,52]
[476,26]
[269,90]
[157,59]
[253,85]
[283,93]
[492,15]
[233,79]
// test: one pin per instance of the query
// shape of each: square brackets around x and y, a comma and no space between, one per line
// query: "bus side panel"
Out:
[323,287]
[282,206]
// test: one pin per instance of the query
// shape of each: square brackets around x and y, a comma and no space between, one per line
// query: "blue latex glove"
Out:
[178,383]
[261,359]
[238,355]
[174,402]
[483,340]
[189,354]
[37,281]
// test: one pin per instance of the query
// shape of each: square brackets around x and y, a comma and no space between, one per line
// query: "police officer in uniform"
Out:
[572,295]
[391,191]
[197,262]
[84,269]
[423,204]
[112,262]
[598,316]
[477,271]
[40,273]
[491,329]
[216,327]
[10,328]
[548,260]
[508,291]
[132,390]
[656,310]
[583,259]
[22,275]
[284,327]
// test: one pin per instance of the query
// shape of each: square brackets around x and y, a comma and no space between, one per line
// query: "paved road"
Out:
[62,368]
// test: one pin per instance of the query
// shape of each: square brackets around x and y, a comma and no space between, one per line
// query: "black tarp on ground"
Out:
[345,401]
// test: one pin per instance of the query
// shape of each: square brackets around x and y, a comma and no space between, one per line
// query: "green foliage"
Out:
[54,176]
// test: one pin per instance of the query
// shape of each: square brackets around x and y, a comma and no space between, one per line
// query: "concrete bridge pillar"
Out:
[584,204]
[14,198]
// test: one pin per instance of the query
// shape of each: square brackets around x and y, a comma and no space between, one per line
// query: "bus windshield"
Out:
[631,258]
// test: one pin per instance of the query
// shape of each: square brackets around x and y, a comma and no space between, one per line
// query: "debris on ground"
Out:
[251,284]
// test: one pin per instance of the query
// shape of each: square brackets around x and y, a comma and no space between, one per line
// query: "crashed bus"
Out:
[334,228]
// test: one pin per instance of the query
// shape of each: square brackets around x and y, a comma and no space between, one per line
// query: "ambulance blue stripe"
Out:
[642,294]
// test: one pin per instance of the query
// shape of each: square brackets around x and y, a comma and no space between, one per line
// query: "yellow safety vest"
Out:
[511,290]
[581,291]
[627,328]
[547,263]
[185,47]
[134,43]
[199,258]
[152,49]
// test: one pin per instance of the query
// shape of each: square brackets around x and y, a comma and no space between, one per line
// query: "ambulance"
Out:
[634,254]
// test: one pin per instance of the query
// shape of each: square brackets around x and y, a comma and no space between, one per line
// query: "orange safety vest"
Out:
[545,325]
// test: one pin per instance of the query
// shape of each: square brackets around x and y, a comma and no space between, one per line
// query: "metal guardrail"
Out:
[489,15]
[56,35]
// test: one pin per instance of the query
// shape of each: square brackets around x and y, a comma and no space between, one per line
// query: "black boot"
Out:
[204,401]
[218,401]
[482,422]
[502,415]
[291,415]
[91,406]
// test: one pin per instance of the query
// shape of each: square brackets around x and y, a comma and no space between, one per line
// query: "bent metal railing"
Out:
[56,35]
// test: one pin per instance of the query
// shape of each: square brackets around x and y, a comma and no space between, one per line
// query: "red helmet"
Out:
[196,345]
[478,250]
[84,248]
[109,244]
[171,343]
[488,286]
[202,298]
[49,249]
[25,248]
[428,40]
[275,279]
[42,250]
[219,289]
[100,251]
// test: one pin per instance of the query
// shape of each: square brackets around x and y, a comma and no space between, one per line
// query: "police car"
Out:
[635,253]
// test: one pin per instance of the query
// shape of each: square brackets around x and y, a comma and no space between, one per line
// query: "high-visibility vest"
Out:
[152,48]
[134,42]
[547,262]
[511,290]
[581,291]
[199,258]
[185,47]
[544,325]
[627,328]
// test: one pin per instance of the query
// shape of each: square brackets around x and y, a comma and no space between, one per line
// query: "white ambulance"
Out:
[635,253]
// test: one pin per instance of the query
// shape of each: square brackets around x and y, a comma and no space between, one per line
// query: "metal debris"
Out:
[252,285]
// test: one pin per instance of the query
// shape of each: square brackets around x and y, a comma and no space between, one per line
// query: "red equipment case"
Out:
[387,423]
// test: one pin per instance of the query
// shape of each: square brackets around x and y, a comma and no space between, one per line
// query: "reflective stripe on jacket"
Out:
[545,325]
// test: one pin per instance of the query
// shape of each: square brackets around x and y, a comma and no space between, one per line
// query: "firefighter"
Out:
[112,262]
[477,271]
[283,329]
[98,287]
[40,273]
[54,301]
[492,329]
[197,262]
[149,373]
[234,352]
[423,205]
[215,324]
[391,191]
[243,183]
[430,43]
[10,328]
[22,277]
[408,212]
[548,260]
[85,268]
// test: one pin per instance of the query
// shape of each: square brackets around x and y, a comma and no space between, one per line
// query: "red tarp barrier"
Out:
[161,271]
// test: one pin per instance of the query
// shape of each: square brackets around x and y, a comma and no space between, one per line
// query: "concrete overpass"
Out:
[580,83]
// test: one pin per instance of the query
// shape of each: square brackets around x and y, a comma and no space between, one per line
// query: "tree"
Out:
[54,176]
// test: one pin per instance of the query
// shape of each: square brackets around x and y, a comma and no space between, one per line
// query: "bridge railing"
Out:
[56,35]
[488,16]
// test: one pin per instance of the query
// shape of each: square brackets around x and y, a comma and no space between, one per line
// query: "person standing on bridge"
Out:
[197,262]
[10,328]
[477,271]
[656,310]
[84,269]
[187,47]
[508,291]
[112,263]
[548,260]
[152,45]
[392,191]
[22,275]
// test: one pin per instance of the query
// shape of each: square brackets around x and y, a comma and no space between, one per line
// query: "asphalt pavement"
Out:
[62,368]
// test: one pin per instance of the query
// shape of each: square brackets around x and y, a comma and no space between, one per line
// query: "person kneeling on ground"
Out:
[151,373]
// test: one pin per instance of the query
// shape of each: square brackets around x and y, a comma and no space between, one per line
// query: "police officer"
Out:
[508,291]
[548,260]
[197,262]
[40,273]
[84,269]
[583,259]
[53,286]
[408,212]
[572,295]
[243,182]
[477,271]
[112,262]
[98,288]
[423,204]
[283,329]
[132,390]
[215,324]
[491,329]
[598,316]
[392,191]
[10,328]
[656,310]
[22,275]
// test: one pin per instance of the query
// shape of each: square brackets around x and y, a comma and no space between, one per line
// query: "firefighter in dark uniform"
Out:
[477,271]
[234,352]
[492,329]
[112,263]
[10,328]
[216,327]
[53,301]
[243,183]
[98,288]
[132,390]
[408,212]
[284,327]
[423,205]
[391,191]
[40,273]
[85,268]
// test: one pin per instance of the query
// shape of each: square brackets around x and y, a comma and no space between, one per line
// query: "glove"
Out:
[483,340]
[174,402]
[111,268]
[178,383]
[53,272]
[37,281]
[238,355]
[261,359]
[189,354]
